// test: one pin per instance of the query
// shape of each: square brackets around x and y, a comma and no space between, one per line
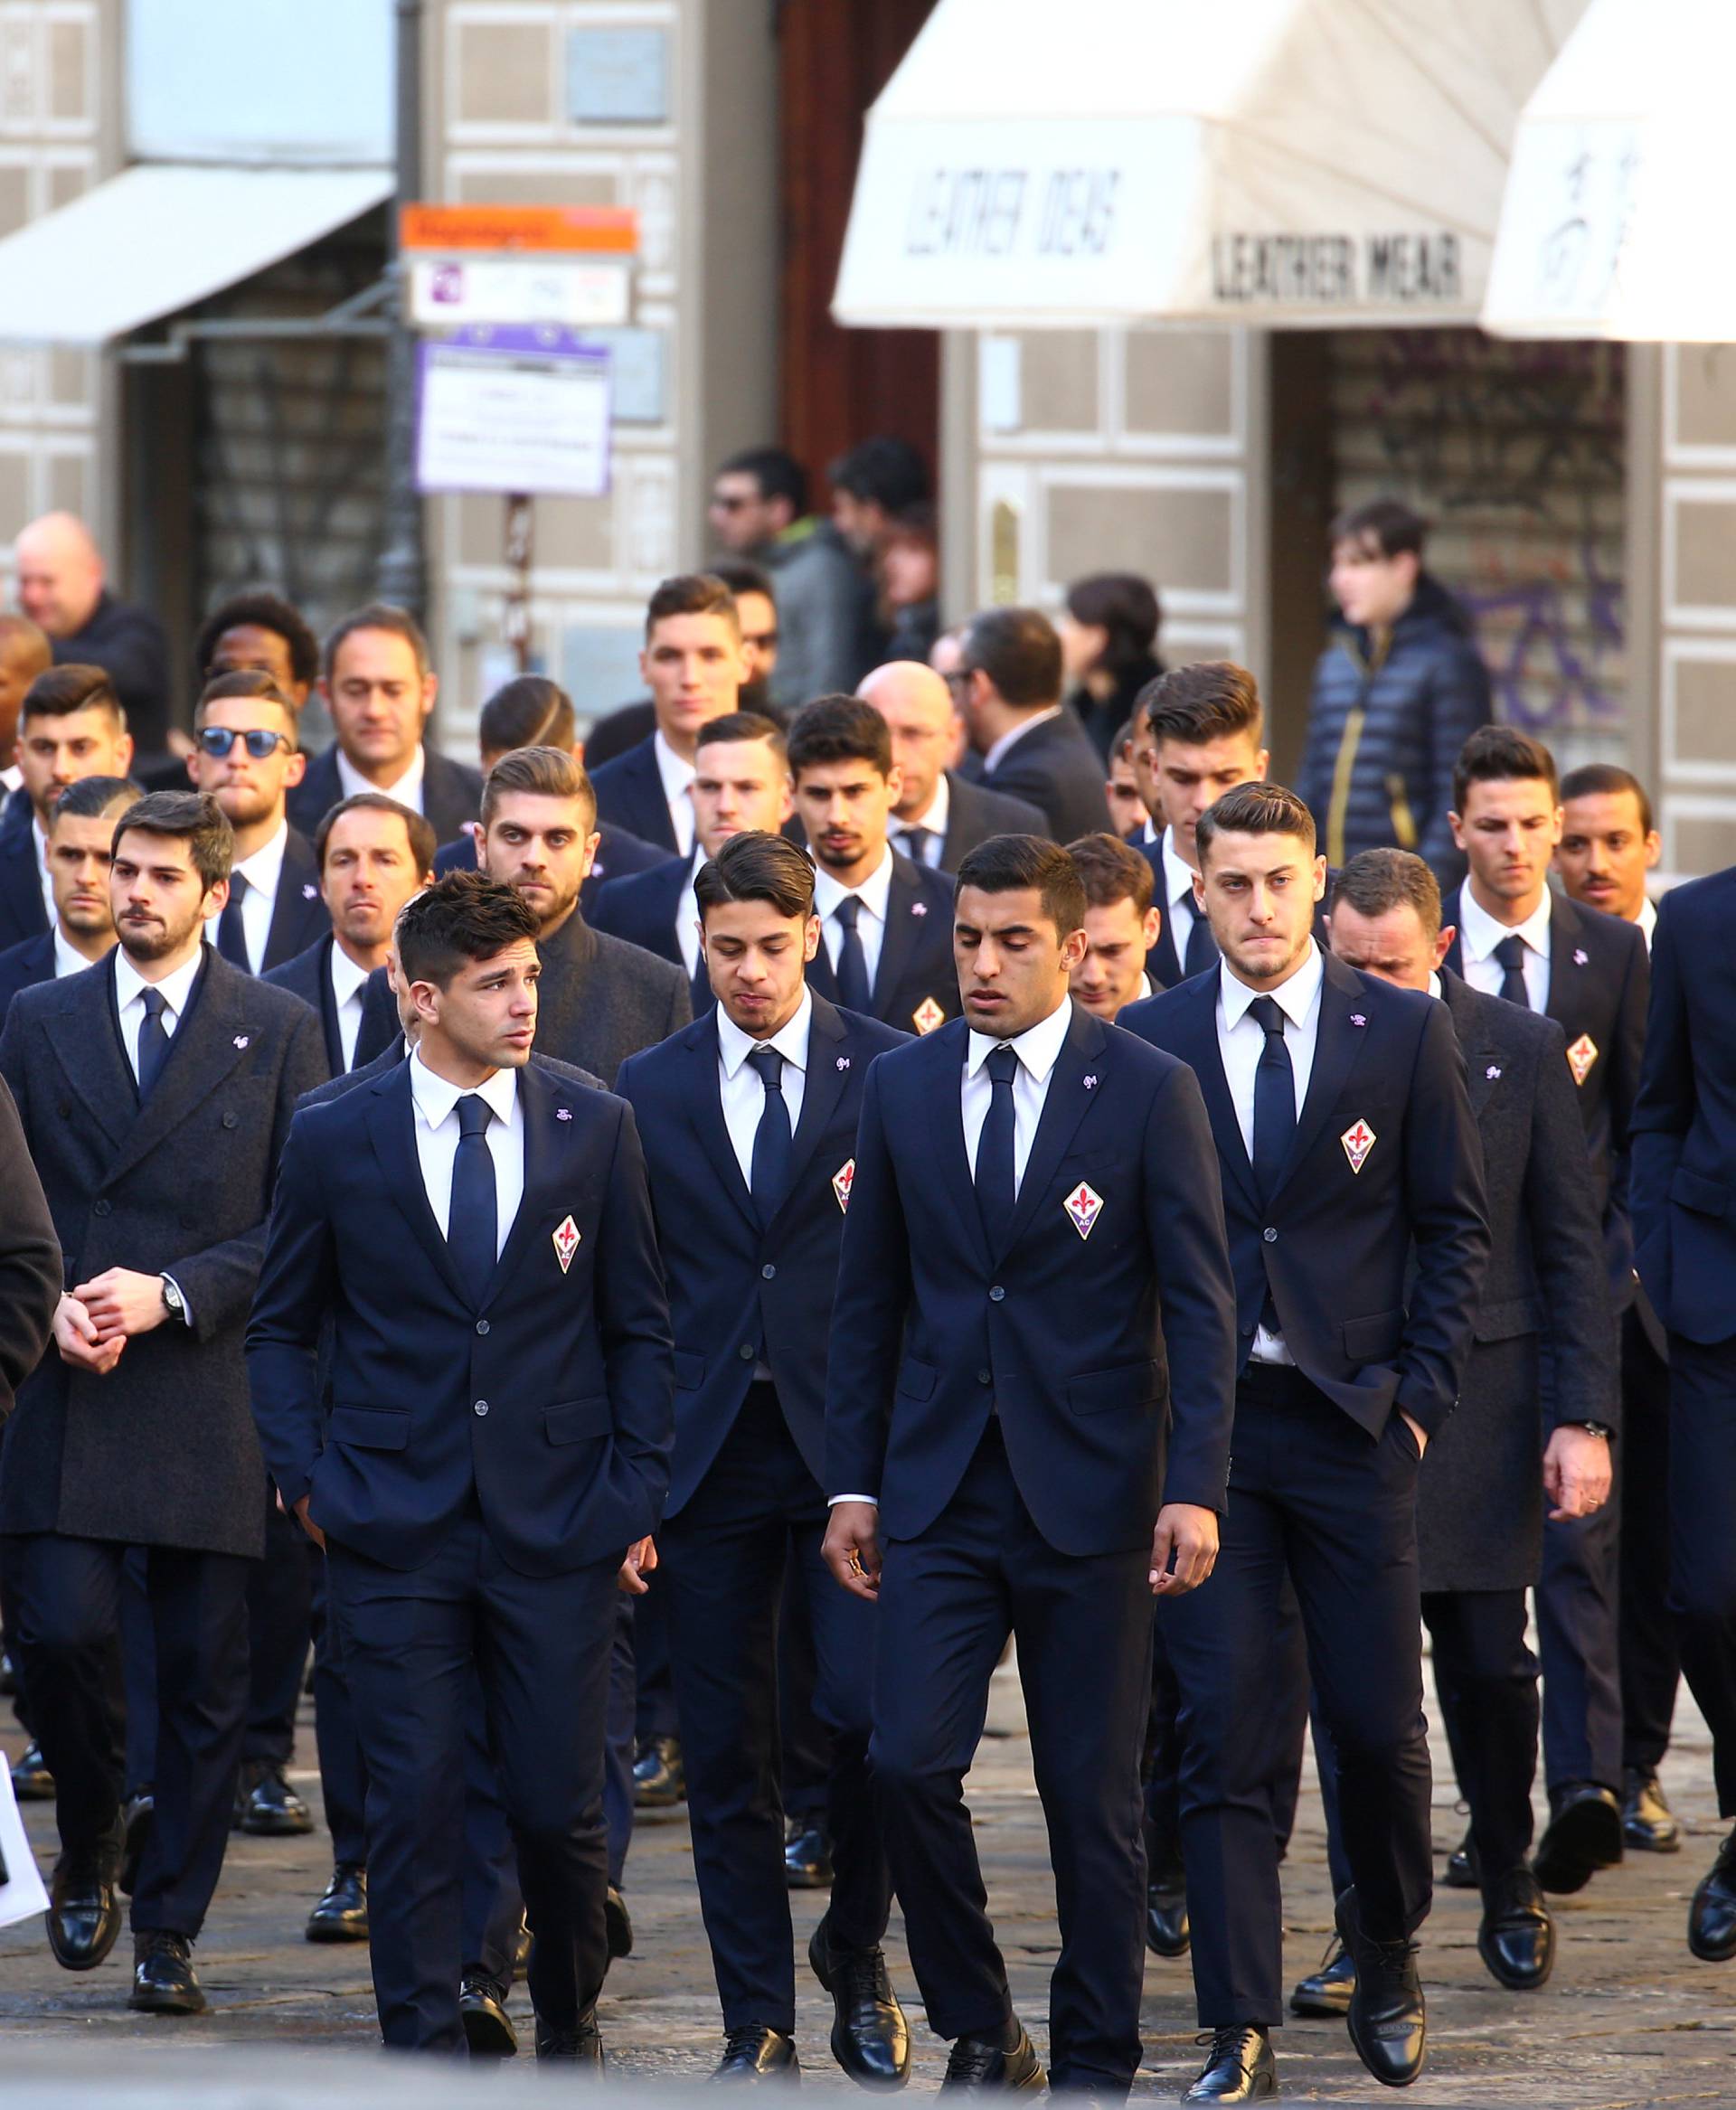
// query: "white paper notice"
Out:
[22,1894]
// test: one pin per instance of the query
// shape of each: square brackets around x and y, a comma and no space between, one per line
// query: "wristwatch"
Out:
[172,1302]
[1600,1429]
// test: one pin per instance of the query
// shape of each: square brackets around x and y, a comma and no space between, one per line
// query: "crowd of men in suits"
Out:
[812,1176]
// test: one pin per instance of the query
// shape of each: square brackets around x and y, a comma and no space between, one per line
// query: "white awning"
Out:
[1616,221]
[163,235]
[1273,162]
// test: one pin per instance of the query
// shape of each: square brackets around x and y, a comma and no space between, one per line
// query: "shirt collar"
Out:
[873,893]
[938,812]
[1038,1048]
[1647,917]
[264,869]
[67,959]
[1014,733]
[1178,875]
[1295,998]
[1151,831]
[130,985]
[1434,988]
[677,776]
[435,1097]
[346,976]
[790,1040]
[1480,933]
[407,791]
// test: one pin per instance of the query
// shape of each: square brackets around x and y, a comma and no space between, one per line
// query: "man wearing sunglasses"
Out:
[247,754]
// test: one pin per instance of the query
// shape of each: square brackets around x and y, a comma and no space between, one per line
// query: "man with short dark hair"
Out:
[258,632]
[1120,926]
[62,586]
[80,845]
[1396,694]
[941,815]
[885,923]
[750,1122]
[1032,745]
[1609,841]
[1027,1431]
[1345,1140]
[874,484]
[71,725]
[134,1433]
[510,1451]
[380,687]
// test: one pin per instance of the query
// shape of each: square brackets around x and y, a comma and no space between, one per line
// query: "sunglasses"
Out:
[216,741]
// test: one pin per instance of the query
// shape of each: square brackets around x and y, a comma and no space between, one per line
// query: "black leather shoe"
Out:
[659,1782]
[1647,1821]
[1007,2061]
[342,1913]
[1238,2067]
[871,2039]
[1517,1938]
[1460,1872]
[617,1925]
[580,2047]
[83,1911]
[754,2053]
[807,1855]
[482,2009]
[1325,1993]
[1711,1916]
[1584,1835]
[137,1817]
[165,1982]
[31,1782]
[1167,1933]
[1385,2017]
[269,1807]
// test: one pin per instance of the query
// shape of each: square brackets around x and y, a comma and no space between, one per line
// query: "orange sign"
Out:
[612,229]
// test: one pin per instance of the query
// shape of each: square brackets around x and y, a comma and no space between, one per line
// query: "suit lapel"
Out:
[1338,1041]
[828,1073]
[1085,1052]
[88,1048]
[538,1096]
[204,1048]
[1206,1060]
[392,1129]
[947,1153]
[1476,1049]
[898,945]
[328,1008]
[1453,912]
[821,977]
[705,1109]
[1566,965]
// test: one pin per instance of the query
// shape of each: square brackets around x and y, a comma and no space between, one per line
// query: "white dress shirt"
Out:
[1180,909]
[44,879]
[1038,1049]
[740,1084]
[874,893]
[437,1141]
[1010,739]
[1480,934]
[407,791]
[130,1000]
[263,872]
[348,983]
[677,790]
[687,916]
[1646,918]
[934,818]
[1242,1040]
[67,959]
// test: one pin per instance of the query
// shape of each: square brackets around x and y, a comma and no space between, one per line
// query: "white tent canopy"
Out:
[1272,161]
[1616,221]
[161,236]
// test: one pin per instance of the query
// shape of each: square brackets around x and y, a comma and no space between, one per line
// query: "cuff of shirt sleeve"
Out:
[871,1500]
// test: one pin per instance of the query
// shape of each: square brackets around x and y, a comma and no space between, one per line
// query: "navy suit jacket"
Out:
[1683,1189]
[975,814]
[298,916]
[21,967]
[1332,1244]
[734,1283]
[618,854]
[22,912]
[916,965]
[629,794]
[642,908]
[1101,1330]
[451,793]
[1056,768]
[1163,962]
[570,1462]
[309,976]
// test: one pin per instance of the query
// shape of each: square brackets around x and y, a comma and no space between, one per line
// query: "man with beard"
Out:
[80,839]
[71,725]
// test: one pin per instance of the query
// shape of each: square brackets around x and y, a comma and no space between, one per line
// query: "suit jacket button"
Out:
[231,1120]
[997,1294]
[482,1406]
[767,1272]
[482,1325]
[1270,1235]
[747,1352]
[101,1208]
[985,1377]
[1247,1332]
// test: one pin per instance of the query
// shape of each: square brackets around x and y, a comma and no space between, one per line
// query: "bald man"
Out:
[63,589]
[25,653]
[940,817]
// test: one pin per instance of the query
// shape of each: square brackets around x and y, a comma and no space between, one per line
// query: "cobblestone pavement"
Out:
[1628,2019]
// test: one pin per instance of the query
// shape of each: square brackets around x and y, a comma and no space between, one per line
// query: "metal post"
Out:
[515,616]
[403,573]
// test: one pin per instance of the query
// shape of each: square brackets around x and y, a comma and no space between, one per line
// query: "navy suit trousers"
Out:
[1702,1547]
[1579,1590]
[949,1599]
[279,1626]
[1651,1653]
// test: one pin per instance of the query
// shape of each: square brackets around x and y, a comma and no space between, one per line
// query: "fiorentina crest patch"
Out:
[927,1015]
[566,1242]
[1084,1205]
[1358,1140]
[842,1180]
[1581,1056]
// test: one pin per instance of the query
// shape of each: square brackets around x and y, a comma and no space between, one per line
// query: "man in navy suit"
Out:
[71,725]
[80,848]
[1344,1138]
[1032,745]
[1683,1178]
[1028,1403]
[1520,939]
[380,687]
[750,1122]
[885,944]
[694,662]
[740,781]
[940,817]
[498,1441]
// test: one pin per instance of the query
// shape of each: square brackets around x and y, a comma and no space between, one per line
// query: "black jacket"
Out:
[618,854]
[1103,719]
[128,645]
[974,814]
[1057,769]
[22,912]
[642,908]
[629,794]
[21,967]
[451,793]
[30,1259]
[1384,730]
[916,980]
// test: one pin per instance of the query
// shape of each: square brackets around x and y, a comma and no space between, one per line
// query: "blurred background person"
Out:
[907,568]
[1108,638]
[62,586]
[940,816]
[1031,744]
[1127,815]
[25,653]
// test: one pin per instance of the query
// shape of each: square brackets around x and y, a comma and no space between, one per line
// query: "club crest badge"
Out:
[1084,1205]
[1358,1140]
[1492,1071]
[309,891]
[240,1040]
[918,907]
[566,1242]
[842,1180]
[927,1015]
[1581,1056]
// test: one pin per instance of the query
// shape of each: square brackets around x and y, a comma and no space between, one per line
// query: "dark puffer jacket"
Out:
[1384,730]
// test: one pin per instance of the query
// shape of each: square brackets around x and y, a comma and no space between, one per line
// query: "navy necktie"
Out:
[1274,1100]
[997,1187]
[853,990]
[232,933]
[152,1042]
[472,1224]
[770,1175]
[915,844]
[1202,946]
[1511,953]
